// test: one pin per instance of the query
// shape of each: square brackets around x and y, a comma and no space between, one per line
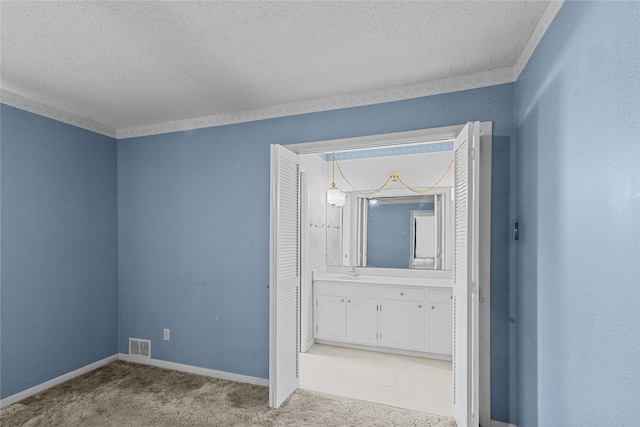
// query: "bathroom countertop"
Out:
[364,278]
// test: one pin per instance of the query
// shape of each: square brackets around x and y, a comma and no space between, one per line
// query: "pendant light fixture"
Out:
[335,197]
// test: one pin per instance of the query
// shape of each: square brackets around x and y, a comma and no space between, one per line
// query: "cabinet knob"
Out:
[349,300]
[401,293]
[341,300]
[432,307]
[419,306]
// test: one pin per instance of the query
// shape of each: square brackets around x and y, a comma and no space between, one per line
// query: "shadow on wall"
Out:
[526,263]
[544,197]
[503,344]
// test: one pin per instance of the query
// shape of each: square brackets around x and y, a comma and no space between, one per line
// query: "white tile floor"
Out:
[391,379]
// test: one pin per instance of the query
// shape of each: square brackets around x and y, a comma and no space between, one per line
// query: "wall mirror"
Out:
[397,229]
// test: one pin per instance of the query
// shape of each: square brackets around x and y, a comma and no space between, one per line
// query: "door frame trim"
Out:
[433,135]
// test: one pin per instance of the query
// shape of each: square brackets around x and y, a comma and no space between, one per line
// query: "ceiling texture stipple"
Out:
[130,68]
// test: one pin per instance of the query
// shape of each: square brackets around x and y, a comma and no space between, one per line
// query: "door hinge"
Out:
[316,303]
[316,329]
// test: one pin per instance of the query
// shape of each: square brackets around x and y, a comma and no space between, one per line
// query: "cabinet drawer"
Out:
[335,289]
[402,294]
[441,296]
[324,288]
[363,292]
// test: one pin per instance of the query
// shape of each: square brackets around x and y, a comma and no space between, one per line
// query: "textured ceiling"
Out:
[131,64]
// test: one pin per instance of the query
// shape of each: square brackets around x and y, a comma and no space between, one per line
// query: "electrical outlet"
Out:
[167,334]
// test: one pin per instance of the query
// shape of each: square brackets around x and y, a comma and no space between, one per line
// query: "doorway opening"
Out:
[304,297]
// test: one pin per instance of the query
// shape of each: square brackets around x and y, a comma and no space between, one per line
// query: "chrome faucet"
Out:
[353,271]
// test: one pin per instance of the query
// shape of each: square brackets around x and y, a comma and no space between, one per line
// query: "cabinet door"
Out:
[331,318]
[402,324]
[440,328]
[362,320]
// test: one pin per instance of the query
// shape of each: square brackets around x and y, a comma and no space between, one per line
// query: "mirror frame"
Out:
[354,241]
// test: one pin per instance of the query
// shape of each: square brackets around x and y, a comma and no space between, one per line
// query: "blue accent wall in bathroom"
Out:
[389,233]
[194,229]
[58,251]
[578,262]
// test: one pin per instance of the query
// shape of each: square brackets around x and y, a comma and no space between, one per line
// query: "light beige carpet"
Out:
[128,394]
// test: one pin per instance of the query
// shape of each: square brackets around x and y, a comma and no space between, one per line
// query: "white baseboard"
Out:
[194,370]
[495,423]
[58,380]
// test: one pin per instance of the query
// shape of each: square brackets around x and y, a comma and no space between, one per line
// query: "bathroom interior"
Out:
[376,290]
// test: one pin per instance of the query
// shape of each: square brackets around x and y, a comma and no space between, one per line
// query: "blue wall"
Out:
[389,233]
[58,250]
[192,236]
[578,204]
[194,229]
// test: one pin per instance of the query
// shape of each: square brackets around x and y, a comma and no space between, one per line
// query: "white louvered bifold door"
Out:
[465,274]
[284,282]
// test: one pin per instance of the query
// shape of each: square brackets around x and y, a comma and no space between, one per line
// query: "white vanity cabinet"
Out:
[440,321]
[362,322]
[402,318]
[331,320]
[413,318]
[346,313]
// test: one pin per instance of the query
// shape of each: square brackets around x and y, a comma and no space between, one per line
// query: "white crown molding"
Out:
[547,17]
[417,90]
[379,96]
[18,101]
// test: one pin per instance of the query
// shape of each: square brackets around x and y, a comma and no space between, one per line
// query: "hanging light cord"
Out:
[333,171]
[393,176]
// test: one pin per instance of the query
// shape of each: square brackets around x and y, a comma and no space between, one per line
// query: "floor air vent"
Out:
[138,347]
